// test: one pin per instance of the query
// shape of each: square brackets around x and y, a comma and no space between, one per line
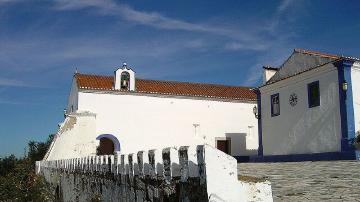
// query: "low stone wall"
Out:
[199,173]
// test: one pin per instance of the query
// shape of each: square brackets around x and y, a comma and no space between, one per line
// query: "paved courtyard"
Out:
[309,181]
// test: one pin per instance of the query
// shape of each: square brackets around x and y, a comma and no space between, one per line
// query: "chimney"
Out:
[268,72]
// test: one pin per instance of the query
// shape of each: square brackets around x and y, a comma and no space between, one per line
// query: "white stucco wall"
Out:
[73,98]
[146,122]
[300,129]
[355,80]
[75,138]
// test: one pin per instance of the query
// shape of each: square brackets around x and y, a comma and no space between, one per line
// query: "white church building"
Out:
[306,109]
[310,108]
[122,113]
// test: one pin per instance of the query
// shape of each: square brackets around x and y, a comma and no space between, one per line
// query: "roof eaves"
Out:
[174,94]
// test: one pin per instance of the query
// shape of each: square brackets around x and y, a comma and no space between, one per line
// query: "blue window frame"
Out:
[314,94]
[275,105]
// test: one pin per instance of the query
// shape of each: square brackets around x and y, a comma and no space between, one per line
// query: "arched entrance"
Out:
[109,144]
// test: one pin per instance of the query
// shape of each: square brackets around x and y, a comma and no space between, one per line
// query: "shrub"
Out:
[18,181]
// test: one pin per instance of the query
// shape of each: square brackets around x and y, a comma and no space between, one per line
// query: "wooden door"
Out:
[106,147]
[224,146]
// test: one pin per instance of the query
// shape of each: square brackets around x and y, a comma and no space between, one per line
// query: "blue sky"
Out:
[43,42]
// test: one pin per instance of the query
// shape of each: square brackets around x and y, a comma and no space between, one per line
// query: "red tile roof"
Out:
[97,82]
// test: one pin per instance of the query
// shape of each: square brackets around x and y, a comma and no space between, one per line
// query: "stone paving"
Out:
[309,181]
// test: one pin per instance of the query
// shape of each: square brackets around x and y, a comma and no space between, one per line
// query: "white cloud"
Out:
[11,82]
[157,20]
[6,1]
[272,58]
[107,50]
[285,4]
[107,5]
[241,46]
[3,101]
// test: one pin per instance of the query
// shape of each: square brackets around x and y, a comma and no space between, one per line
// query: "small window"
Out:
[314,94]
[275,105]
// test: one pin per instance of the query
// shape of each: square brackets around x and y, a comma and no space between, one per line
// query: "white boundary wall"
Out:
[195,173]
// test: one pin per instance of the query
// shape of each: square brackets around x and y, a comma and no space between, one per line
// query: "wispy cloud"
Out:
[285,4]
[240,46]
[11,82]
[109,49]
[280,47]
[246,38]
[273,58]
[3,101]
[6,1]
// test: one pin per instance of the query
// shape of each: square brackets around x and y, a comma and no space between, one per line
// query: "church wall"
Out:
[147,122]
[73,98]
[75,138]
[355,80]
[300,129]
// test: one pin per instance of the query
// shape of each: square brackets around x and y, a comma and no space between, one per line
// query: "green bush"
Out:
[18,181]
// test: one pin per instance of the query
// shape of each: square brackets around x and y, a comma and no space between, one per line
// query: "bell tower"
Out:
[124,78]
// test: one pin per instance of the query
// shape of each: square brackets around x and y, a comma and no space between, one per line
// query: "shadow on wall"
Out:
[238,145]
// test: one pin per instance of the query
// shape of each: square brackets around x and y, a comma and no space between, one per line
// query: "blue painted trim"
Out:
[112,138]
[260,148]
[271,104]
[326,156]
[315,83]
[346,105]
[357,154]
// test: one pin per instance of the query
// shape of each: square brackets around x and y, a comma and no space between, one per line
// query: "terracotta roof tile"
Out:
[86,81]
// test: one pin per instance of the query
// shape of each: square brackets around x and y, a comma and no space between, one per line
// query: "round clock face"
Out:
[293,99]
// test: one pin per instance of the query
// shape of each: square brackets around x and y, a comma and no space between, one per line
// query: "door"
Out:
[106,147]
[223,145]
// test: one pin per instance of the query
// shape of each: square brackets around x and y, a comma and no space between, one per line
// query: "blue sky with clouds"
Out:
[42,42]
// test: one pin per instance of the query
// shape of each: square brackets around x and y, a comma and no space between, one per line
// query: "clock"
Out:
[293,99]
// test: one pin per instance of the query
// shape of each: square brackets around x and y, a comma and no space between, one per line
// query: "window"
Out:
[275,105]
[314,94]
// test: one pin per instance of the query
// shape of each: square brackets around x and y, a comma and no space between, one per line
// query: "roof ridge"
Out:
[317,53]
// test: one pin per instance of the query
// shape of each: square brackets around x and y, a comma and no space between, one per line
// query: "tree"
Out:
[18,181]
[37,150]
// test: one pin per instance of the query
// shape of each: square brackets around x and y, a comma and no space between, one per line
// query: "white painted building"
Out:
[122,113]
[310,108]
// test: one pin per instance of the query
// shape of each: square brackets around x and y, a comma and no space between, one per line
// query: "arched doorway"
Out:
[109,144]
